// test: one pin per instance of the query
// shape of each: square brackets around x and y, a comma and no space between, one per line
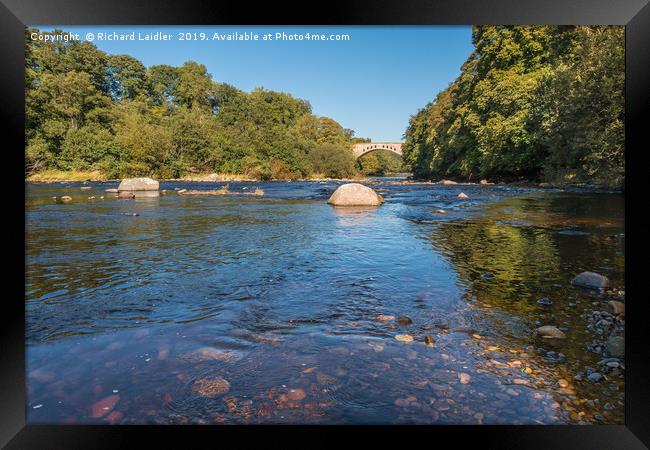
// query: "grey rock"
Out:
[355,194]
[138,184]
[545,301]
[615,346]
[590,280]
[595,377]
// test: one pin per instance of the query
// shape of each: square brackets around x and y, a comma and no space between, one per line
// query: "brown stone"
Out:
[618,308]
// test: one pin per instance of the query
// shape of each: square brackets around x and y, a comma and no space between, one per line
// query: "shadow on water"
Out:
[283,309]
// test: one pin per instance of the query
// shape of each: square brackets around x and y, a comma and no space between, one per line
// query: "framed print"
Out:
[388,218]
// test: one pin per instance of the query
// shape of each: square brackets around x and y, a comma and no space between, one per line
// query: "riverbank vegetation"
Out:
[542,103]
[380,163]
[89,112]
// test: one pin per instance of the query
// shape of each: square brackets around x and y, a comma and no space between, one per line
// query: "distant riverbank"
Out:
[58,176]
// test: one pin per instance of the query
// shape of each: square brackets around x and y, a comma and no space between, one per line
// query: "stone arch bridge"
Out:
[358,150]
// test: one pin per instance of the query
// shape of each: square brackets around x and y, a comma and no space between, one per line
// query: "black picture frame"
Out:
[15,14]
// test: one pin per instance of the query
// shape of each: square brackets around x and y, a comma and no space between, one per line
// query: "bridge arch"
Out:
[358,150]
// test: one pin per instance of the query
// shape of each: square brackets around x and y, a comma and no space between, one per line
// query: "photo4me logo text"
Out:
[188,36]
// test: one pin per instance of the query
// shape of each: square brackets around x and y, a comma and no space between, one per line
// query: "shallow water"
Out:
[140,319]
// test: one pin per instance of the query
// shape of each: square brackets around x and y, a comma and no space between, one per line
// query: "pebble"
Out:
[550,332]
[404,337]
[595,377]
[545,301]
[464,378]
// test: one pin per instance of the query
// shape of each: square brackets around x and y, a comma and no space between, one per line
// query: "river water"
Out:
[242,309]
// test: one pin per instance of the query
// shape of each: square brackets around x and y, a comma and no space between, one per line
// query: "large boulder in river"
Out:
[590,280]
[355,194]
[138,184]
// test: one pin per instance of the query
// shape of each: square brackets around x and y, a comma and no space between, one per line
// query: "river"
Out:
[240,309]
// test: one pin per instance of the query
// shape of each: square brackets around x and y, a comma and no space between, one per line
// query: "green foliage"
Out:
[332,160]
[535,102]
[380,163]
[87,110]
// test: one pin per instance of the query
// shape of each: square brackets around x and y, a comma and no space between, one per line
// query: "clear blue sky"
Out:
[372,83]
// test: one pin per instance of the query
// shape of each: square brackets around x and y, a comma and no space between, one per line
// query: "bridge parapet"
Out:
[358,150]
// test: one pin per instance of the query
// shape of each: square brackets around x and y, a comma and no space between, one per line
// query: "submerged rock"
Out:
[463,196]
[404,337]
[211,387]
[590,280]
[212,354]
[138,184]
[384,318]
[404,320]
[550,332]
[488,276]
[355,194]
[126,194]
[104,406]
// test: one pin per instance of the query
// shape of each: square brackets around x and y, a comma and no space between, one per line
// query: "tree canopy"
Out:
[88,110]
[531,102]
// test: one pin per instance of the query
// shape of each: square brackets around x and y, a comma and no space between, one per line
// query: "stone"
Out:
[463,196]
[488,276]
[484,182]
[211,387]
[545,301]
[447,182]
[615,346]
[464,378]
[590,280]
[618,308]
[441,211]
[404,337]
[112,191]
[85,188]
[384,318]
[404,320]
[212,354]
[138,184]
[429,341]
[104,406]
[550,332]
[66,199]
[595,377]
[296,394]
[126,194]
[355,194]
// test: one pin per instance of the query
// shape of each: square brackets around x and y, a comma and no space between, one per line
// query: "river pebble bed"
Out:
[281,309]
